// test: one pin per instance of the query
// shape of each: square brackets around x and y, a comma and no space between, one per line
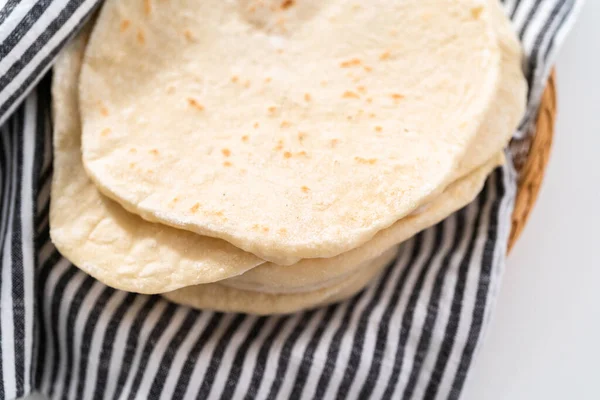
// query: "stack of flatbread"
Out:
[267,156]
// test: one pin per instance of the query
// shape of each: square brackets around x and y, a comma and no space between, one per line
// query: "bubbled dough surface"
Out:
[256,126]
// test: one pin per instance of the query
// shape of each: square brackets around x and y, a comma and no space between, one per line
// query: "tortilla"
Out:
[99,236]
[311,274]
[509,103]
[298,132]
[214,296]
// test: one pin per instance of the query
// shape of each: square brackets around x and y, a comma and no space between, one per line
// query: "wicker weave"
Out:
[531,173]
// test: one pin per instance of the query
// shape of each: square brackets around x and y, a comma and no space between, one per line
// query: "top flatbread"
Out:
[289,129]
[502,119]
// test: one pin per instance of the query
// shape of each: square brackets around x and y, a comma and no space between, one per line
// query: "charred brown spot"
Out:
[125,24]
[476,12]
[141,37]
[287,4]
[350,63]
[361,160]
[194,103]
[350,95]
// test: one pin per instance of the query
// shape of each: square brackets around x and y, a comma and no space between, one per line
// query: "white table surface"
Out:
[544,339]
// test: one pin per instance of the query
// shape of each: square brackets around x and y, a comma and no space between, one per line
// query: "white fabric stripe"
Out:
[273,358]
[88,300]
[96,341]
[343,356]
[69,293]
[27,229]
[500,251]
[398,268]
[252,359]
[499,254]
[509,6]
[200,367]
[523,8]
[4,132]
[421,308]
[34,32]
[450,282]
[120,343]
[320,354]
[469,297]
[297,353]
[270,374]
[446,297]
[57,271]
[149,323]
[395,324]
[371,333]
[6,311]
[181,355]
[64,31]
[15,18]
[228,356]
[246,373]
[541,74]
[7,185]
[156,353]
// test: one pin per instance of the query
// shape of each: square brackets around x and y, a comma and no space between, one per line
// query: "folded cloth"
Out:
[412,334]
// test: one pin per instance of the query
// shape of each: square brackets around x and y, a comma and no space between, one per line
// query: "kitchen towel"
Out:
[412,334]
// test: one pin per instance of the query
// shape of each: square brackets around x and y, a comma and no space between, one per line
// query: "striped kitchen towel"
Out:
[412,334]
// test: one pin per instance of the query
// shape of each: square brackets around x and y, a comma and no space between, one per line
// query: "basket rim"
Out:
[531,172]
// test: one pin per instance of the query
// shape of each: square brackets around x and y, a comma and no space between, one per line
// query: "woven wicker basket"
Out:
[531,172]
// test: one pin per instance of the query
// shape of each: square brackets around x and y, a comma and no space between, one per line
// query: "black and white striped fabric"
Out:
[412,334]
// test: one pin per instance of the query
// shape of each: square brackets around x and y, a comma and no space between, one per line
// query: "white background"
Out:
[544,339]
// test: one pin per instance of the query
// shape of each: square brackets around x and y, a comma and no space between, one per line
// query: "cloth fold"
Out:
[412,334]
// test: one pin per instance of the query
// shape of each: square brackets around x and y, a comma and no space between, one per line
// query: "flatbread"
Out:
[214,296]
[509,104]
[294,133]
[99,236]
[502,120]
[310,274]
